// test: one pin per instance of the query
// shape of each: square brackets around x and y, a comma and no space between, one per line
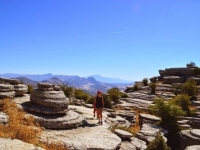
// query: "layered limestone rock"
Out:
[6,91]
[189,138]
[11,87]
[50,108]
[14,144]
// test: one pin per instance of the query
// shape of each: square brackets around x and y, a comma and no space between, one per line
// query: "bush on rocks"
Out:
[158,144]
[145,81]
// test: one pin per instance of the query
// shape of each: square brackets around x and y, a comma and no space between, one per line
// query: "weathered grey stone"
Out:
[84,138]
[10,94]
[57,88]
[146,118]
[56,99]
[45,86]
[193,147]
[173,79]
[9,81]
[188,139]
[154,79]
[195,132]
[68,121]
[122,134]
[139,144]
[125,145]
[6,88]
[194,122]
[14,144]
[4,119]
[20,89]
[149,132]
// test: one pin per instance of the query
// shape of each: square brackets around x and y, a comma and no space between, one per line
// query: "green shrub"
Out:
[135,87]
[30,89]
[123,95]
[153,87]
[189,87]
[158,144]
[114,94]
[145,81]
[183,101]
[80,94]
[169,115]
[107,101]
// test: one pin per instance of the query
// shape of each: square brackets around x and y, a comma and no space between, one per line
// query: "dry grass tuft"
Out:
[23,127]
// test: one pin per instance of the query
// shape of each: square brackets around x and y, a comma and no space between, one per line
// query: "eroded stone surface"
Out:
[193,147]
[139,144]
[125,145]
[123,134]
[9,81]
[84,138]
[9,144]
[20,89]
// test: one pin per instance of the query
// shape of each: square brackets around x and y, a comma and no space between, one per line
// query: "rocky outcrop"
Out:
[154,79]
[123,134]
[4,119]
[189,138]
[20,89]
[9,81]
[11,87]
[50,108]
[84,138]
[14,144]
[177,72]
[149,132]
[6,91]
[146,118]
[173,79]
[194,147]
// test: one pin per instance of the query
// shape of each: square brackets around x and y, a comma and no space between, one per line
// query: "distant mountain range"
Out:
[89,84]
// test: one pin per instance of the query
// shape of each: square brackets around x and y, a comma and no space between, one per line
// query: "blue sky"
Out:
[128,39]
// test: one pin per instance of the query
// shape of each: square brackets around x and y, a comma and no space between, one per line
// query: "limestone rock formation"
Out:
[189,137]
[11,87]
[6,91]
[14,144]
[123,134]
[50,108]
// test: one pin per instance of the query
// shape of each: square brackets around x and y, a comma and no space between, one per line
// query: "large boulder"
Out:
[45,86]
[123,134]
[146,118]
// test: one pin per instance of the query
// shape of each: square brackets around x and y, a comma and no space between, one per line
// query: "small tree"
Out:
[189,87]
[158,144]
[145,81]
[153,87]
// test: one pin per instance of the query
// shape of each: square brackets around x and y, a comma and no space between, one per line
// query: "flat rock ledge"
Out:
[68,121]
[123,134]
[83,138]
[194,147]
[9,144]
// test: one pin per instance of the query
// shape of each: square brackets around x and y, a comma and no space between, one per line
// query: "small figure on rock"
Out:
[99,106]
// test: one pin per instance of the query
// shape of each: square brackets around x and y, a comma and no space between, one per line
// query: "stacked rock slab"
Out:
[50,108]
[11,87]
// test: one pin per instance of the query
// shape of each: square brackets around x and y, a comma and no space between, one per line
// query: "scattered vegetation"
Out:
[153,87]
[80,94]
[145,81]
[158,144]
[114,94]
[23,127]
[30,89]
[169,115]
[189,87]
[68,91]
[135,87]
